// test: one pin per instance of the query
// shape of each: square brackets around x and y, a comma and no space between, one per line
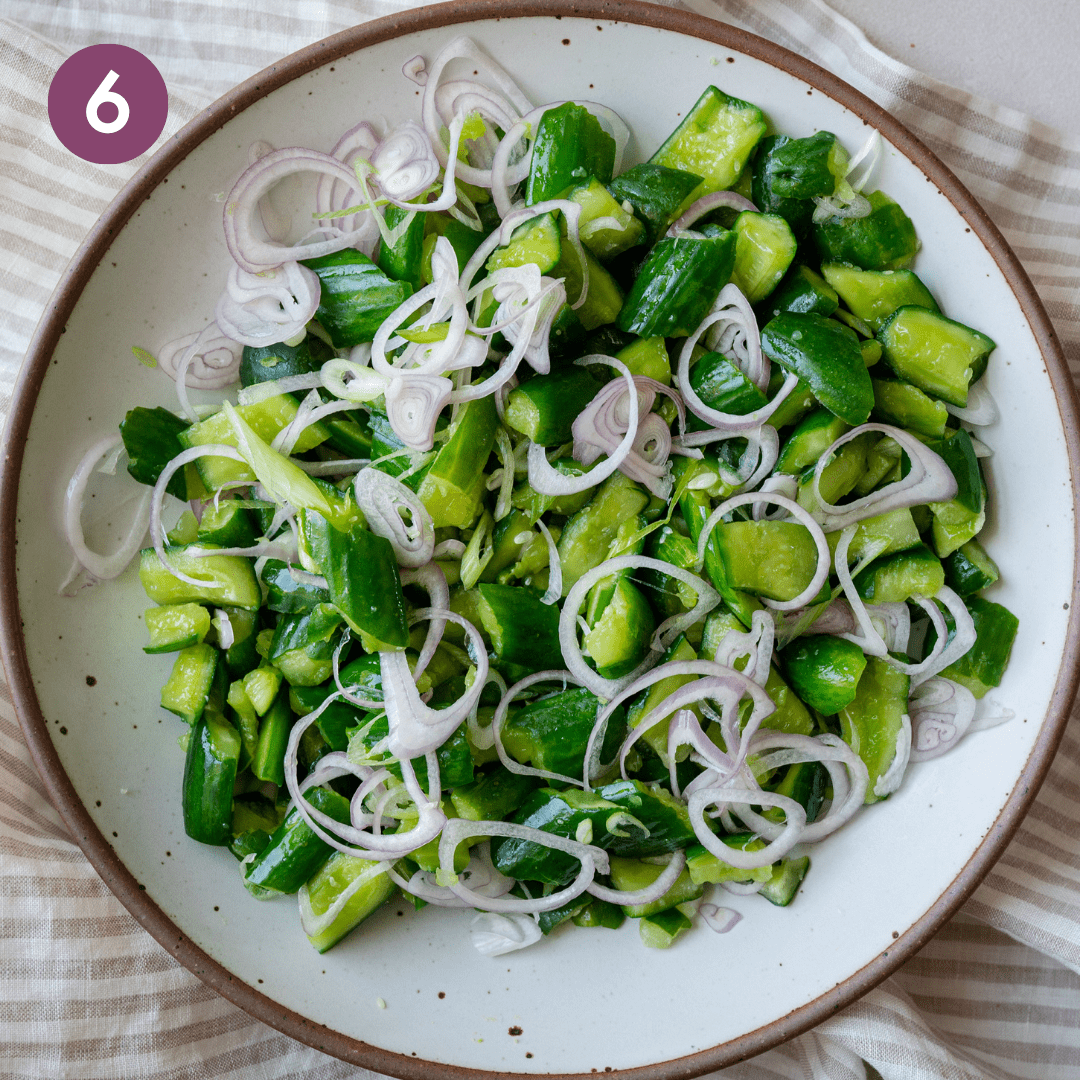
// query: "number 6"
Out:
[105,93]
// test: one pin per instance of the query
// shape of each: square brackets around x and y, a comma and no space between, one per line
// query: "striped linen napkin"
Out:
[85,992]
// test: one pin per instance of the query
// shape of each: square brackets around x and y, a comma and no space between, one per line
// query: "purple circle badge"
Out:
[108,104]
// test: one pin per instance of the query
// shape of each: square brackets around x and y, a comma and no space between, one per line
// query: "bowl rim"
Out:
[86,260]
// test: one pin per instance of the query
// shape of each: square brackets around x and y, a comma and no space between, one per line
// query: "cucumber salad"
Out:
[575,540]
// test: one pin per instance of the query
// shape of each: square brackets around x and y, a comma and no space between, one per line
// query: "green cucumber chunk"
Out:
[187,690]
[938,355]
[356,297]
[226,525]
[714,140]
[872,723]
[630,875]
[722,386]
[268,760]
[883,240]
[544,408]
[655,193]
[787,875]
[824,671]
[776,559]
[601,913]
[879,536]
[281,361]
[524,631]
[151,439]
[588,535]
[213,753]
[661,930]
[175,626]
[535,241]
[552,732]
[969,569]
[402,261]
[677,284]
[294,852]
[981,668]
[906,406]
[493,796]
[898,577]
[813,435]
[265,418]
[454,484]
[569,146]
[606,227]
[825,355]
[789,173]
[361,572]
[285,593]
[342,894]
[618,639]
[873,295]
[764,249]
[705,868]
[801,290]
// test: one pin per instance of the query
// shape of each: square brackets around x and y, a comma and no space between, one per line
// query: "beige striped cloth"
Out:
[84,992]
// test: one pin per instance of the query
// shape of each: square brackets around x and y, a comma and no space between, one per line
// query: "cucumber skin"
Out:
[295,852]
[655,192]
[209,776]
[883,240]
[570,145]
[356,296]
[826,355]
[824,671]
[677,285]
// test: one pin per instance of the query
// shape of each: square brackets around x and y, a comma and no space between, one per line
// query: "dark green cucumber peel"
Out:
[826,356]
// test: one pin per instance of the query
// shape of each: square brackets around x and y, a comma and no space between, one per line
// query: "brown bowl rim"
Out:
[74,279]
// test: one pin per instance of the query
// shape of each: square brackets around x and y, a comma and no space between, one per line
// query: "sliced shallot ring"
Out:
[821,573]
[349,838]
[756,643]
[214,362]
[707,203]
[413,405]
[868,638]
[941,714]
[849,786]
[432,580]
[776,849]
[643,682]
[158,498]
[462,47]
[414,727]
[592,859]
[707,596]
[649,893]
[255,255]
[548,481]
[981,409]
[719,919]
[273,306]
[930,480]
[962,641]
[554,589]
[732,686]
[500,715]
[102,567]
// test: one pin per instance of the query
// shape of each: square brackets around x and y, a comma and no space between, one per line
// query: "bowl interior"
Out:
[581,1001]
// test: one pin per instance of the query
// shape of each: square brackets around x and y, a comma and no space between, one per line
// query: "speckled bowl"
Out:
[580,1002]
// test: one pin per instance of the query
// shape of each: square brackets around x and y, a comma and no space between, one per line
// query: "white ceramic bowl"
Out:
[581,1001]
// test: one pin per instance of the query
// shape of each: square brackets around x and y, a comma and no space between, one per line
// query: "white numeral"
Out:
[105,93]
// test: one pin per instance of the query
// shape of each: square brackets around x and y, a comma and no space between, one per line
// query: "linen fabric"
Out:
[86,993]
